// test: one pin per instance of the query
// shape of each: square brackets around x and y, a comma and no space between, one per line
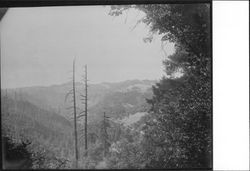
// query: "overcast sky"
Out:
[38,46]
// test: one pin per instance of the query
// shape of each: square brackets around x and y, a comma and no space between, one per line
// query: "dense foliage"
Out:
[178,133]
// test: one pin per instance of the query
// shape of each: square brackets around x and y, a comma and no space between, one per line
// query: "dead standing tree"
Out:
[73,93]
[105,134]
[85,101]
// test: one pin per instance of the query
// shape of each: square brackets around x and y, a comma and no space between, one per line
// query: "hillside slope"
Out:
[118,99]
[46,131]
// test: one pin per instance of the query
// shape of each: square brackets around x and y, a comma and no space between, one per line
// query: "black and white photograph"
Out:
[122,86]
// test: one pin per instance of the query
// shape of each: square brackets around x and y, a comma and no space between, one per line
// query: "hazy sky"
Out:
[39,44]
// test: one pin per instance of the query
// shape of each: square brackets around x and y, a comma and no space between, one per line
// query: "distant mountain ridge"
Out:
[118,98]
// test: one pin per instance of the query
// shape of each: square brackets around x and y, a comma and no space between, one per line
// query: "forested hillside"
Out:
[134,124]
[121,98]
[48,136]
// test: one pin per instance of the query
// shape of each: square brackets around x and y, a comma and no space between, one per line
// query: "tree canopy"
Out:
[178,134]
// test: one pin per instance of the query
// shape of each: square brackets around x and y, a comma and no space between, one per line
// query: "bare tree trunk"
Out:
[75,122]
[86,111]
[105,134]
[104,127]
